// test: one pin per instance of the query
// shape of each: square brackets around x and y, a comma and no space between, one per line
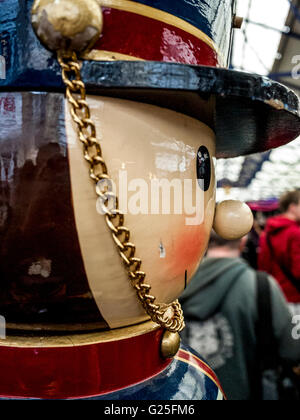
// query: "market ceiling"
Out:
[268,44]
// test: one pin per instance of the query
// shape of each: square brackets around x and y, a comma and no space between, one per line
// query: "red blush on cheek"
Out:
[189,246]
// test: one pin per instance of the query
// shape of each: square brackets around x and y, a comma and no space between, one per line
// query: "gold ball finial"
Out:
[233,220]
[69,25]
[170,344]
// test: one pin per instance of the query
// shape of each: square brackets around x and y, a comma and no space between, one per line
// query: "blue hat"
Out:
[167,53]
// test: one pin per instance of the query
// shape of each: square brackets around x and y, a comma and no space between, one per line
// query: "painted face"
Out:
[59,264]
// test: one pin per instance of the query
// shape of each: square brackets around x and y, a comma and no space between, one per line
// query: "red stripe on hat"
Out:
[150,39]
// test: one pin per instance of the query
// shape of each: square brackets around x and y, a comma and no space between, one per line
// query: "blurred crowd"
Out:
[242,308]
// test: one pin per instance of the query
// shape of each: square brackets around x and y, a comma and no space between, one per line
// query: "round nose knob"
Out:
[69,25]
[233,219]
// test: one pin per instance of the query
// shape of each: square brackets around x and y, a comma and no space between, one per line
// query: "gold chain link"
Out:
[169,316]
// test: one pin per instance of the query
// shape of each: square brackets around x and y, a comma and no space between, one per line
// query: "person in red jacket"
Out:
[280,247]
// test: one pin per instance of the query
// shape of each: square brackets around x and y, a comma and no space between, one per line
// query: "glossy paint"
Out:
[96,367]
[152,38]
[248,113]
[267,112]
[200,34]
[185,41]
[67,24]
[48,283]
[59,265]
[25,57]
[141,144]
[211,21]
[233,220]
[187,378]
[42,274]
[212,17]
[61,369]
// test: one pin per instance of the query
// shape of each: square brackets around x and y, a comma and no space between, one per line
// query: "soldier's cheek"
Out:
[187,250]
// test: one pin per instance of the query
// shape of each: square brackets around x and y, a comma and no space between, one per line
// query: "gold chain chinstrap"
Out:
[169,316]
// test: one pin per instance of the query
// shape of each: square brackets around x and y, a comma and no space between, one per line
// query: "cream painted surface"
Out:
[148,142]
[233,219]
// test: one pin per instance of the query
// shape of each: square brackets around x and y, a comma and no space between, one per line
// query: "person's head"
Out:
[222,248]
[290,205]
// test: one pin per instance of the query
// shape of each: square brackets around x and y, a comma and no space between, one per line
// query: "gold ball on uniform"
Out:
[233,220]
[170,344]
[70,25]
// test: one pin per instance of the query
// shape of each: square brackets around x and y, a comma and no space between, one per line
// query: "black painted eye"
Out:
[203,168]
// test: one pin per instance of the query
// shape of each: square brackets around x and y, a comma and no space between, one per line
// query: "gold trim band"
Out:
[195,357]
[181,359]
[57,328]
[147,11]
[71,340]
[101,55]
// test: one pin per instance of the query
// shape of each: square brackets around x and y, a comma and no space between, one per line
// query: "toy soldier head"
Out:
[86,244]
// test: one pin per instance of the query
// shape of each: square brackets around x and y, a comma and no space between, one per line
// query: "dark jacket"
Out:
[220,308]
[284,235]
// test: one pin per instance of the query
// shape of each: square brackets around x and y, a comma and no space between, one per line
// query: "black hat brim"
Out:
[249,113]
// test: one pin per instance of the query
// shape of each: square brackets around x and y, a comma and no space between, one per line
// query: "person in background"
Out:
[250,253]
[221,313]
[280,248]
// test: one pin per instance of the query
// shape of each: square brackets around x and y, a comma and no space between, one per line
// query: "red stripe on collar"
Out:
[79,371]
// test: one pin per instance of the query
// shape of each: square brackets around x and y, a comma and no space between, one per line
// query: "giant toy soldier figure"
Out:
[94,89]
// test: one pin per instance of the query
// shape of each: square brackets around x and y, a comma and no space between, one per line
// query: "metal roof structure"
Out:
[267,44]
